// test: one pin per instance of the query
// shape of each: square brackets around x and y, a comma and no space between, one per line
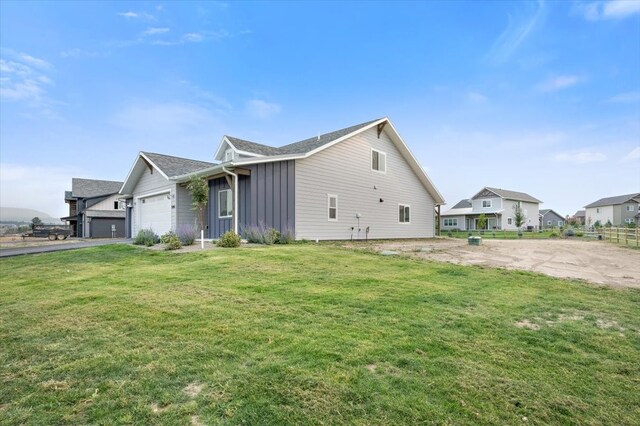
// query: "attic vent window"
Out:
[228,155]
[378,161]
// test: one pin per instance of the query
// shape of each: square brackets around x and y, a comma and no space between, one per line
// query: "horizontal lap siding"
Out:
[345,170]
[151,183]
[186,215]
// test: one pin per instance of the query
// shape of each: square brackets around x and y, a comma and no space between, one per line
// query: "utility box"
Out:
[474,241]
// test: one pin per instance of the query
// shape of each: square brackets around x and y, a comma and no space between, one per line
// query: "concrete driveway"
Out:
[18,251]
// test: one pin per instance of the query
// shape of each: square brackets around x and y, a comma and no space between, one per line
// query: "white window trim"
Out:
[380,153]
[630,208]
[451,220]
[226,155]
[398,213]
[487,201]
[561,223]
[549,222]
[509,221]
[231,215]
[630,220]
[329,197]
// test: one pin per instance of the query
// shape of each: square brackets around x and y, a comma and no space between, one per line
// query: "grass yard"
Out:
[308,334]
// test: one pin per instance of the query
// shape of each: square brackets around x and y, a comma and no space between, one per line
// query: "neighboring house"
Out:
[620,210]
[550,219]
[95,209]
[358,182]
[497,206]
[579,217]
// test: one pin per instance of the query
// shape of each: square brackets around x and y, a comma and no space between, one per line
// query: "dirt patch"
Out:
[157,409]
[193,389]
[15,241]
[598,262]
[195,421]
[372,367]
[527,324]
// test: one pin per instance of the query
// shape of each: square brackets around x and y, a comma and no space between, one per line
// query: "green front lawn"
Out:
[308,334]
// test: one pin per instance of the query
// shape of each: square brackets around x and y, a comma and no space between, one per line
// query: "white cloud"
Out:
[77,53]
[613,9]
[627,97]
[137,15]
[193,37]
[23,80]
[36,62]
[18,188]
[155,31]
[261,109]
[519,28]
[476,98]
[633,155]
[580,157]
[560,82]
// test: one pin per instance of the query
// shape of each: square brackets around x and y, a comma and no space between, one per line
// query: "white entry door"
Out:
[155,213]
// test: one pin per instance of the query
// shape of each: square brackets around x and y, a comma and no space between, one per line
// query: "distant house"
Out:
[550,219]
[498,208]
[620,210]
[579,217]
[95,209]
[357,182]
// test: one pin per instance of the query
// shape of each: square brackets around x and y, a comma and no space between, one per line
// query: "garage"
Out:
[155,213]
[102,227]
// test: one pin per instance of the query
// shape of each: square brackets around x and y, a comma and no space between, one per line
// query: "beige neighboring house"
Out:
[620,210]
[498,207]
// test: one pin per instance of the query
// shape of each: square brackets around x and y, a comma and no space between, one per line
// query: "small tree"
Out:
[199,190]
[36,221]
[482,221]
[518,217]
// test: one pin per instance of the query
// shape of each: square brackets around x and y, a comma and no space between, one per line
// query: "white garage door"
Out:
[155,213]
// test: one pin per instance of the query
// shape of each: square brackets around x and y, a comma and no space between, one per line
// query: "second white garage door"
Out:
[155,213]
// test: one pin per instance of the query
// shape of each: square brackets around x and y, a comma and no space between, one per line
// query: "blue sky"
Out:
[540,97]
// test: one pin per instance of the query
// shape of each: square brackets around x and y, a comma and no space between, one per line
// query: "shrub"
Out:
[569,232]
[271,236]
[252,234]
[166,237]
[229,239]
[579,234]
[553,234]
[146,237]
[287,236]
[262,235]
[172,243]
[186,234]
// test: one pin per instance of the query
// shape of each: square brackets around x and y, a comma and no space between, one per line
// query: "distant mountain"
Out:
[15,214]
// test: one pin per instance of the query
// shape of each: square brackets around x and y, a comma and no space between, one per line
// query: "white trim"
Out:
[398,213]
[489,206]
[380,153]
[445,219]
[630,208]
[219,204]
[509,221]
[135,163]
[138,203]
[226,140]
[329,197]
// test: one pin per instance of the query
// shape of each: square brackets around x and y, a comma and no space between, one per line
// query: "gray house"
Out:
[95,209]
[358,182]
[620,210]
[550,219]
[497,205]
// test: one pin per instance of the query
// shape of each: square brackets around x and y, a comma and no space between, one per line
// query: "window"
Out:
[598,210]
[451,222]
[630,208]
[332,203]
[549,222]
[378,161]
[629,220]
[225,203]
[509,221]
[486,203]
[116,205]
[228,155]
[560,223]
[404,213]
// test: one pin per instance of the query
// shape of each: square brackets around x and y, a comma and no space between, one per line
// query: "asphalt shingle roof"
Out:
[580,213]
[514,195]
[462,204]
[300,147]
[176,166]
[612,201]
[88,188]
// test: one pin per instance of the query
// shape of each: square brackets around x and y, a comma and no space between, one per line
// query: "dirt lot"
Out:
[598,262]
[13,241]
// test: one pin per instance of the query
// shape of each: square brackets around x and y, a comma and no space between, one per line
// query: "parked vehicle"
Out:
[52,232]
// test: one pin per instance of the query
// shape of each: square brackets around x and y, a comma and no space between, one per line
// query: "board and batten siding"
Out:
[344,170]
[217,225]
[149,184]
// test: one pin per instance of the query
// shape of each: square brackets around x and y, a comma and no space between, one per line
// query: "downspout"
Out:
[235,198]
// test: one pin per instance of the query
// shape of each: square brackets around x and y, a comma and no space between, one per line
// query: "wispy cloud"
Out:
[262,110]
[613,9]
[155,31]
[627,97]
[559,82]
[476,98]
[144,16]
[519,28]
[78,53]
[633,155]
[24,79]
[580,157]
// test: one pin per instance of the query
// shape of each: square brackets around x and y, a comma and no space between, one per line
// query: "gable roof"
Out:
[543,212]
[462,204]
[509,195]
[167,165]
[88,188]
[308,147]
[175,166]
[252,147]
[580,213]
[612,201]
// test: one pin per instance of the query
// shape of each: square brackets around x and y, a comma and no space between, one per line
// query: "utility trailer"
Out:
[52,232]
